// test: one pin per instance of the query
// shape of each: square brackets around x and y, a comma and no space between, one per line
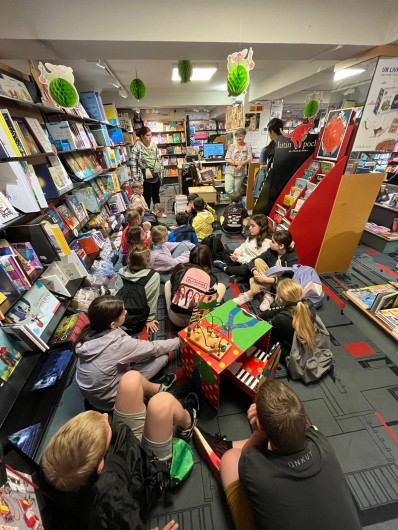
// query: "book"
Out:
[27,440]
[7,141]
[54,233]
[53,368]
[89,197]
[9,129]
[75,207]
[15,272]
[61,135]
[385,301]
[80,253]
[88,243]
[54,218]
[39,135]
[116,135]
[68,218]
[7,211]
[55,279]
[27,137]
[13,88]
[93,105]
[365,297]
[35,309]
[101,135]
[36,235]
[69,327]
[10,355]
[15,184]
[111,113]
[33,181]
[30,261]
[50,190]
[8,289]
[72,264]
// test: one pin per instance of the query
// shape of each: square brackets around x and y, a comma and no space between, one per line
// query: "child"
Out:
[203,221]
[101,476]
[164,255]
[105,352]
[232,220]
[280,254]
[290,313]
[190,209]
[146,225]
[137,199]
[134,236]
[184,231]
[139,267]
[153,217]
[133,218]
[235,263]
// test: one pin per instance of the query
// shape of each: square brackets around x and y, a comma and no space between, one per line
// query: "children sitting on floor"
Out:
[105,352]
[183,231]
[204,219]
[138,270]
[154,216]
[235,263]
[133,218]
[135,236]
[146,226]
[234,216]
[137,199]
[286,475]
[164,255]
[103,477]
[281,254]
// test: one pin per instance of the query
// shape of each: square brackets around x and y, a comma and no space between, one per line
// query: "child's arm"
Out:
[141,350]
[212,211]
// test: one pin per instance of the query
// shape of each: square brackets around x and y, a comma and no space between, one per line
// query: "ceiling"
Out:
[296,45]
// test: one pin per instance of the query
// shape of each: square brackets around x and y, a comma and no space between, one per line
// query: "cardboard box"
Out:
[208,193]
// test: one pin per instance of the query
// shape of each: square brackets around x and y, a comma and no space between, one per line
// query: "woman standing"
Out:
[267,154]
[238,157]
[146,165]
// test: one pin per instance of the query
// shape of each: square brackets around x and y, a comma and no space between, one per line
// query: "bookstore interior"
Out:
[67,136]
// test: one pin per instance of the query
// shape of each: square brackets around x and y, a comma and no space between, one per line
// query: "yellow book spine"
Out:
[14,146]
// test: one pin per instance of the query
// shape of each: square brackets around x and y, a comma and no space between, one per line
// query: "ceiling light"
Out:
[123,93]
[101,64]
[347,72]
[114,83]
[198,74]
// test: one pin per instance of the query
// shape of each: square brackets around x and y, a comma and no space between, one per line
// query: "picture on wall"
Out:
[234,117]
[334,133]
[252,121]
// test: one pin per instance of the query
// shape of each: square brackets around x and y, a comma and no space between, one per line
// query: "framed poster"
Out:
[252,121]
[336,126]
[234,117]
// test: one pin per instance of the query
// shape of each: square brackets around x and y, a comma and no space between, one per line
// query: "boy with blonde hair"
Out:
[137,199]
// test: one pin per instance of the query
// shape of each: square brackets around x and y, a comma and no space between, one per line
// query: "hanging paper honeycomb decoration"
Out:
[138,89]
[185,70]
[237,80]
[63,93]
[311,108]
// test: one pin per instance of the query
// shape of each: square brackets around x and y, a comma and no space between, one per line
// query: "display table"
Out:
[215,345]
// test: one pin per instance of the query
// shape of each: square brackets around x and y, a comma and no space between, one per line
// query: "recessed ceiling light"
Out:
[347,72]
[198,74]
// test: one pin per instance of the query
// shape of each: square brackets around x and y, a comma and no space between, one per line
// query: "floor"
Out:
[357,409]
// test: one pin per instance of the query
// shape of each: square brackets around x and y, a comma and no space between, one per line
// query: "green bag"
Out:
[181,463]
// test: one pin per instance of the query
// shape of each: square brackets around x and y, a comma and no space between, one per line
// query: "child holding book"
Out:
[137,199]
[105,352]
[164,255]
[204,219]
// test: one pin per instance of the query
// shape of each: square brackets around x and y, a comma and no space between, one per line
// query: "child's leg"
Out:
[180,249]
[260,265]
[163,413]
[220,288]
[132,389]
[238,270]
[167,294]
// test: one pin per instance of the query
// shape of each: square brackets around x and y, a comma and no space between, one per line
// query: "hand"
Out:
[234,257]
[261,278]
[152,326]
[263,166]
[252,415]
[171,525]
[239,165]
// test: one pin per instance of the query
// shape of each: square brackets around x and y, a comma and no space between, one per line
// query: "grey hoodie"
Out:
[104,358]
[152,287]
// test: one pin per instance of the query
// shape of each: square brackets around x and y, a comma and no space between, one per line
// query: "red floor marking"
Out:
[235,289]
[387,428]
[384,268]
[333,296]
[357,349]
[371,251]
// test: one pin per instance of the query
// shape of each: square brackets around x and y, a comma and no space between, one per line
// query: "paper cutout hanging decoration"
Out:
[239,65]
[185,70]
[58,85]
[137,88]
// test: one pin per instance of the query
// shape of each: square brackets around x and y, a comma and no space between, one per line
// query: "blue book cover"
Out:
[91,103]
[116,135]
[46,182]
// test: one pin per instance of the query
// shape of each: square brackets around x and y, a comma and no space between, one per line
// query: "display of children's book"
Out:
[8,290]
[389,317]
[69,328]
[10,355]
[29,142]
[334,133]
[19,504]
[38,133]
[28,259]
[369,297]
[53,368]
[68,218]
[28,439]
[15,272]
[7,211]
[35,308]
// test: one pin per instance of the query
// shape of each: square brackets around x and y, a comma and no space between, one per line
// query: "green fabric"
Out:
[150,158]
[182,461]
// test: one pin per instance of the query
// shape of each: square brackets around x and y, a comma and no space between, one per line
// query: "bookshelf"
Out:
[89,179]
[170,137]
[381,231]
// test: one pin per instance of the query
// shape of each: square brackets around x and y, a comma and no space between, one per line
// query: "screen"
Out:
[213,150]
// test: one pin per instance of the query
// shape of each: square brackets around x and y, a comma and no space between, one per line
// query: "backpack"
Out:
[135,301]
[189,286]
[310,366]
[233,219]
[306,276]
[215,245]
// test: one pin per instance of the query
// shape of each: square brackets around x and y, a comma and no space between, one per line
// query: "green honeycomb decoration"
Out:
[237,80]
[63,93]
[138,89]
[311,108]
[185,70]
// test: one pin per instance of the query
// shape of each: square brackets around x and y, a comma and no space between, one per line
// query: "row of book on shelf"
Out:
[299,193]
[381,301]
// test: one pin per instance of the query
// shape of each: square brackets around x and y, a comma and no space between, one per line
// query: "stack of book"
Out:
[375,298]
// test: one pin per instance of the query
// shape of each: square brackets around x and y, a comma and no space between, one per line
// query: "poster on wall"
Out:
[378,128]
[234,117]
[252,121]
[336,126]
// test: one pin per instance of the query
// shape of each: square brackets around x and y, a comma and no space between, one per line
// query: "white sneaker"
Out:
[267,301]
[243,298]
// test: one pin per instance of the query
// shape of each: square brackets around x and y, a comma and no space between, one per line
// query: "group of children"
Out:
[91,466]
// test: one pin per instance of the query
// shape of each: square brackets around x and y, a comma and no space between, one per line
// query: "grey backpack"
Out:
[310,366]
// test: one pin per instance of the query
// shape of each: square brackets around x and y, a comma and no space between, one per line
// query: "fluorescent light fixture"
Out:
[198,74]
[114,83]
[101,64]
[123,93]
[347,72]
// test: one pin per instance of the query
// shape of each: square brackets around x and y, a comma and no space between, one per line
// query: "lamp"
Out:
[347,72]
[123,93]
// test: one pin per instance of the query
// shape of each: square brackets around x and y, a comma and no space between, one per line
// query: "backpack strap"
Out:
[143,281]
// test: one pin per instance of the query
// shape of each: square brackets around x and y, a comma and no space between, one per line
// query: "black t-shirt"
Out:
[303,491]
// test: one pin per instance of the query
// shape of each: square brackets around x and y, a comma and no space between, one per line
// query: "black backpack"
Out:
[134,296]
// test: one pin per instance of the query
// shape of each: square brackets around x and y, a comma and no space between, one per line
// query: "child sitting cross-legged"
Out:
[234,216]
[204,219]
[105,352]
[164,255]
[104,477]
[154,216]
[133,218]
[183,231]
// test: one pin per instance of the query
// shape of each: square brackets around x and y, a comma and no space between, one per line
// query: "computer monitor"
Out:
[213,151]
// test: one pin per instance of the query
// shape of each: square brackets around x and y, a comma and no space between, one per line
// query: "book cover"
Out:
[88,243]
[35,234]
[15,184]
[7,287]
[116,135]
[53,369]
[27,136]
[80,252]
[385,301]
[68,218]
[27,440]
[366,296]
[34,183]
[15,272]
[46,182]
[91,103]
[35,308]
[111,113]
[30,261]
[69,328]
[90,199]
[74,167]
[52,216]
[57,238]
[73,266]
[54,284]
[75,207]
[10,355]
[14,140]
[13,88]
[7,212]
[61,135]
[19,132]
[39,135]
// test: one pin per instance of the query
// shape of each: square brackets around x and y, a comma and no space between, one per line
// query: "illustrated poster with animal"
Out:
[378,128]
[334,132]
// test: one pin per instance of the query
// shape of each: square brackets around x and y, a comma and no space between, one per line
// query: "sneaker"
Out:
[232,278]
[243,298]
[218,264]
[211,448]
[267,301]
[191,404]
[167,381]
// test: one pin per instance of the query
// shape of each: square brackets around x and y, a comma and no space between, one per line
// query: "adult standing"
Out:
[146,165]
[238,157]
